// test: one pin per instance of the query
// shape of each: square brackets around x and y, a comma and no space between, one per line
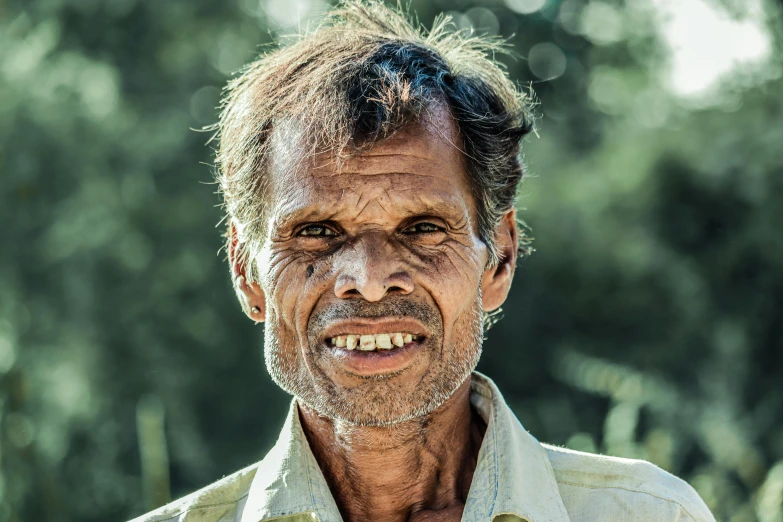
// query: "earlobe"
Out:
[496,281]
[252,299]
[251,296]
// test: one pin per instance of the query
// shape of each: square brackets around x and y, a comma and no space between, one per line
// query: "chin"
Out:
[383,403]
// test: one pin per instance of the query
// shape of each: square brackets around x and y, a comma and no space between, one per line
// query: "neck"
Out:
[420,469]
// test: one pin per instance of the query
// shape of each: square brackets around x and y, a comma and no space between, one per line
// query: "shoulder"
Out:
[214,503]
[625,486]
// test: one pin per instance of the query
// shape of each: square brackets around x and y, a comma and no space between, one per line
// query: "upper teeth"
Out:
[384,341]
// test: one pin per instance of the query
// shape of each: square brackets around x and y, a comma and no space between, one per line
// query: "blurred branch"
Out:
[154,451]
[770,498]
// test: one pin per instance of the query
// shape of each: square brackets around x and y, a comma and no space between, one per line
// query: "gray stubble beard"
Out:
[379,402]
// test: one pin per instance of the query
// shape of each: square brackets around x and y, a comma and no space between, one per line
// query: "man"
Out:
[369,174]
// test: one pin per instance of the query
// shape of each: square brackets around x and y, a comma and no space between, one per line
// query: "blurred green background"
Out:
[648,324]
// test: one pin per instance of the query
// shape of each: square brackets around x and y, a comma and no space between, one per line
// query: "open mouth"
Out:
[374,342]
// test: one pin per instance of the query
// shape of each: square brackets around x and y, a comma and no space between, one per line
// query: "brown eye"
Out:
[422,228]
[317,231]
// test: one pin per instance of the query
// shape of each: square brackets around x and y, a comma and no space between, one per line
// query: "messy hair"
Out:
[360,76]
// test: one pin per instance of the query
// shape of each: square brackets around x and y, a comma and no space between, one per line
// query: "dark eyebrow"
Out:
[300,215]
[440,207]
[322,212]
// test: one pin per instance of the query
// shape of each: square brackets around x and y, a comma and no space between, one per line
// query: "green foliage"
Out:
[648,323]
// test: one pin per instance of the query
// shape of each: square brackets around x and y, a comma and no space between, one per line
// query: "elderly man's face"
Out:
[382,247]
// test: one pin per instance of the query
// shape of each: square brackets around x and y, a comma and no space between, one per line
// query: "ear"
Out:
[250,295]
[496,281]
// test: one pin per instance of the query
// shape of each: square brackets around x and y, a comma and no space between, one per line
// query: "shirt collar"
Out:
[288,482]
[513,475]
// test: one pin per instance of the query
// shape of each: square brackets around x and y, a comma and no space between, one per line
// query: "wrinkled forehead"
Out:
[294,149]
[425,156]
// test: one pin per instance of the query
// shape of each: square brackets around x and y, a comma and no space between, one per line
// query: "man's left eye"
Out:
[317,231]
[422,228]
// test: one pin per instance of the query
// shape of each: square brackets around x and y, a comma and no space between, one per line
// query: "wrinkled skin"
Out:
[388,234]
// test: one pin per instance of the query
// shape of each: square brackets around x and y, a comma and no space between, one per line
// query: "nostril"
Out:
[372,288]
[401,283]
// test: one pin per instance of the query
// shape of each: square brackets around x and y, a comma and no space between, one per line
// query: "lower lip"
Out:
[377,362]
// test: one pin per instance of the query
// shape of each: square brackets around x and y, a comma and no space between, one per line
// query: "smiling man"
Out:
[369,173]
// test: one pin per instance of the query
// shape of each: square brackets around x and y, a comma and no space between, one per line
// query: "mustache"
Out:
[388,307]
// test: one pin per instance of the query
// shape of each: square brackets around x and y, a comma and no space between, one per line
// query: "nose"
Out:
[371,269]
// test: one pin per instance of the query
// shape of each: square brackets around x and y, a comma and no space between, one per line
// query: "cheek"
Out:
[292,282]
[453,278]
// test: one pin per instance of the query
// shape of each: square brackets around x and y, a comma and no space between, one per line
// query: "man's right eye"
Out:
[316,231]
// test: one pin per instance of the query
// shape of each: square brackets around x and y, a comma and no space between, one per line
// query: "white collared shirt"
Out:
[516,479]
